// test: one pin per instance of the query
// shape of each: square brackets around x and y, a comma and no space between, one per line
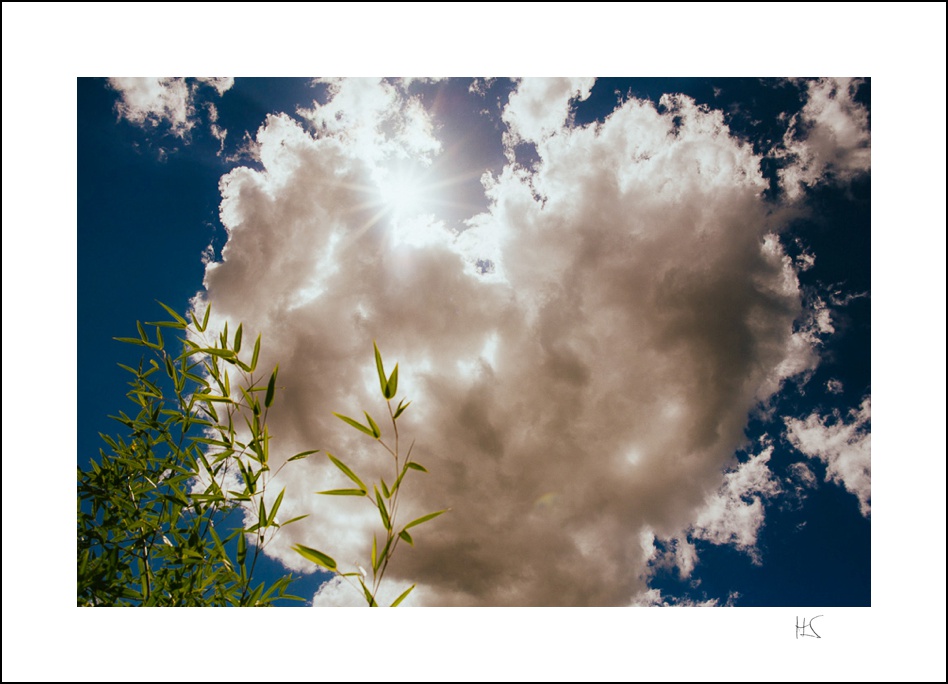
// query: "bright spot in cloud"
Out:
[403,192]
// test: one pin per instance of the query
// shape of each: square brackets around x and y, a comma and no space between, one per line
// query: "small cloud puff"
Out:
[842,445]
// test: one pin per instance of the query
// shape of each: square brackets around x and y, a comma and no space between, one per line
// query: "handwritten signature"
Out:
[803,626]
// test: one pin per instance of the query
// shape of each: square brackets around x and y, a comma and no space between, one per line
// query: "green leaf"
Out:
[130,340]
[401,407]
[425,518]
[293,520]
[174,314]
[256,354]
[344,492]
[375,428]
[317,557]
[212,397]
[141,332]
[241,549]
[348,472]
[368,595]
[276,506]
[301,455]
[383,383]
[166,324]
[375,565]
[271,387]
[385,491]
[382,510]
[416,466]
[392,385]
[356,424]
[384,554]
[215,351]
[407,537]
[402,597]
[207,317]
[238,336]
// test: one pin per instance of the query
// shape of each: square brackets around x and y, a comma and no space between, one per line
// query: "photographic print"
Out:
[481,341]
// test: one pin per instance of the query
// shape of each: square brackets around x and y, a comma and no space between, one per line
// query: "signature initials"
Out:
[803,626]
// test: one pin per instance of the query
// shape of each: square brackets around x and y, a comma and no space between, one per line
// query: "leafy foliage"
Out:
[154,507]
[384,497]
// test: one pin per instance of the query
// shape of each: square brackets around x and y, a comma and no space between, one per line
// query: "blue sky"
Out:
[680,264]
[901,48]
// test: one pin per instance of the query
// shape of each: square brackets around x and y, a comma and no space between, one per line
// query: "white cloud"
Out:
[655,597]
[219,83]
[797,484]
[734,514]
[844,446]
[171,101]
[540,106]
[589,392]
[375,120]
[829,136]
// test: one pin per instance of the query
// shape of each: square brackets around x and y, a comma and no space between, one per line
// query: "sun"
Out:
[405,191]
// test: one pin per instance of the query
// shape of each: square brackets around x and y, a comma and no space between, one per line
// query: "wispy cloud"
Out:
[591,387]
[842,445]
[735,513]
[171,102]
[830,136]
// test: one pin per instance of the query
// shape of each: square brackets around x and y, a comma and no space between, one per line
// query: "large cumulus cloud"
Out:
[583,394]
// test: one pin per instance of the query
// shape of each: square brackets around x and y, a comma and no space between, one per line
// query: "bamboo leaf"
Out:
[392,385]
[347,471]
[356,424]
[382,510]
[368,595]
[376,432]
[207,317]
[383,382]
[402,597]
[130,340]
[241,549]
[401,407]
[238,336]
[385,491]
[317,557]
[407,537]
[215,351]
[256,355]
[166,324]
[174,314]
[271,387]
[301,455]
[375,565]
[416,466]
[344,492]
[425,518]
[276,506]
[293,520]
